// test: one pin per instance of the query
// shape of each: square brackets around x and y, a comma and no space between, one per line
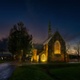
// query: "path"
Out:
[6,70]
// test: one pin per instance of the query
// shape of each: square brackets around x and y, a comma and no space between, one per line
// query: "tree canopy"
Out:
[19,39]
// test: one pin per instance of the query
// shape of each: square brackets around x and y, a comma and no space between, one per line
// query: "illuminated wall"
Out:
[57,47]
[44,55]
[46,52]
[35,54]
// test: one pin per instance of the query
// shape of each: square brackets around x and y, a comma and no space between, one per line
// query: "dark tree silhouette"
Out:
[77,48]
[68,46]
[19,40]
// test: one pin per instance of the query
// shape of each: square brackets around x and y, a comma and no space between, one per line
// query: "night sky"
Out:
[35,14]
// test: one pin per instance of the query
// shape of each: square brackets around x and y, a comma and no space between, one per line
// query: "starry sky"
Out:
[35,14]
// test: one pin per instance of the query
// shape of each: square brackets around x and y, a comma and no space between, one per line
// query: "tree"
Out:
[68,48]
[77,48]
[19,40]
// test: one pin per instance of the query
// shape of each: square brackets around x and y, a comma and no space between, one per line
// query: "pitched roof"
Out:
[46,41]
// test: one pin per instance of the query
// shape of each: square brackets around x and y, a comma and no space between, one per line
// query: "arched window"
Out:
[43,57]
[57,47]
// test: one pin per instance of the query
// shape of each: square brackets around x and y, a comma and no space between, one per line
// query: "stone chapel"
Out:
[54,49]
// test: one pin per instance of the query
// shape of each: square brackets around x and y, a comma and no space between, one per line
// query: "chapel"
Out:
[54,49]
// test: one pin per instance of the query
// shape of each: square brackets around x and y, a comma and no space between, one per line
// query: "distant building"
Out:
[54,49]
[5,56]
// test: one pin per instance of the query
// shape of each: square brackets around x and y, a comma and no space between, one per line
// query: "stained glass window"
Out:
[57,47]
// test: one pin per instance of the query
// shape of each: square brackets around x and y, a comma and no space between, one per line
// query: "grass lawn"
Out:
[61,71]
[29,72]
[67,73]
[1,61]
[4,61]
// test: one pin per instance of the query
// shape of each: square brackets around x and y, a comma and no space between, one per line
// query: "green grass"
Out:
[67,73]
[63,71]
[29,73]
[4,61]
[59,71]
[1,61]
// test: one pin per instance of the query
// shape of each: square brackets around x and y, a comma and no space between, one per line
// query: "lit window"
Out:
[57,47]
[43,57]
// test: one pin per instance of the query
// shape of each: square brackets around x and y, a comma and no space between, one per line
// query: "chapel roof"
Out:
[47,40]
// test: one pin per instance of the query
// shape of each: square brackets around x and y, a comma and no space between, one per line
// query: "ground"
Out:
[56,71]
